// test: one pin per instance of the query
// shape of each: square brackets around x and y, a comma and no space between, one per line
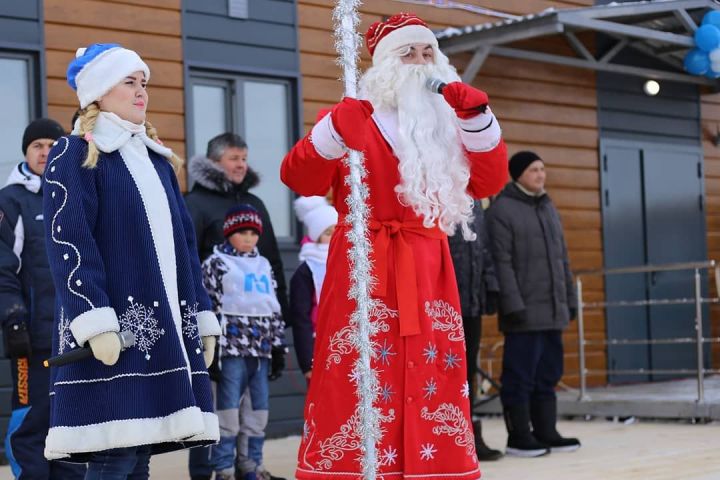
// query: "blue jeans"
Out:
[236,375]
[132,463]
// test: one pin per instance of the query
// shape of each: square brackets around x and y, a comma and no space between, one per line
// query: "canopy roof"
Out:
[660,29]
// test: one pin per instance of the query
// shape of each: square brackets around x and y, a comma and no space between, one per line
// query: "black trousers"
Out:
[29,423]
[473,333]
[532,367]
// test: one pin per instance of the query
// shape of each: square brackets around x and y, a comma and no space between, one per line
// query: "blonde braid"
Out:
[88,117]
[151,132]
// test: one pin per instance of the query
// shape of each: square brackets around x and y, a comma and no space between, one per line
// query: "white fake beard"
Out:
[434,171]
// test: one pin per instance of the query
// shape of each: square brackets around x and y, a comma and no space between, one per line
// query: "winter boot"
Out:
[521,442]
[484,453]
[544,420]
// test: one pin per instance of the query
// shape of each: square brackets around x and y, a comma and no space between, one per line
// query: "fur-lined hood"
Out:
[211,176]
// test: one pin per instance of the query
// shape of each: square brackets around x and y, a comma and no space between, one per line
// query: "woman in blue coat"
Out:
[122,253]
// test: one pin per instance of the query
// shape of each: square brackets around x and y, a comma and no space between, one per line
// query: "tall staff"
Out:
[347,43]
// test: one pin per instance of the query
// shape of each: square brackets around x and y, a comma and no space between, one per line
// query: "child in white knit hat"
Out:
[320,219]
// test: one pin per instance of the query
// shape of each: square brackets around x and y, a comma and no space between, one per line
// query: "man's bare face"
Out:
[419,54]
[533,178]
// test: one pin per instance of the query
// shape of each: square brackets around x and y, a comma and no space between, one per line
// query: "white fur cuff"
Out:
[208,324]
[94,322]
[327,142]
[481,133]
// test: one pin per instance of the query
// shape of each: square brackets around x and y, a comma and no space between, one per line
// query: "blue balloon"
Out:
[707,38]
[697,62]
[712,18]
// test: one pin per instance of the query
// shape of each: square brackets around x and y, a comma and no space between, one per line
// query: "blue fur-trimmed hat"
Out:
[99,67]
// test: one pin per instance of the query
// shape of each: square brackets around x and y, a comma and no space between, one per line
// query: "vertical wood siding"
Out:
[546,108]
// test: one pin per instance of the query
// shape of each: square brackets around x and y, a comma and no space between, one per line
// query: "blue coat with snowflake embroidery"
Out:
[122,252]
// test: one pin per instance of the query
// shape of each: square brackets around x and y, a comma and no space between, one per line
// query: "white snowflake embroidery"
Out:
[452,360]
[430,353]
[388,456]
[446,319]
[65,336]
[427,452]
[465,390]
[430,388]
[140,320]
[343,341]
[347,439]
[190,325]
[451,422]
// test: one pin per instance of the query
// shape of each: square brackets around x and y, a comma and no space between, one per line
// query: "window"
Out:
[259,110]
[16,98]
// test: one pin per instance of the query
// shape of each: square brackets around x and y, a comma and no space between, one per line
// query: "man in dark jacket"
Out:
[223,180]
[27,303]
[537,300]
[478,288]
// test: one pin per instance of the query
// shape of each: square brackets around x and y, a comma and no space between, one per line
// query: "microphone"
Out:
[127,340]
[435,85]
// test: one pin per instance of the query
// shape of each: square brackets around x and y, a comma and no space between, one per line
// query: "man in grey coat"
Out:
[537,301]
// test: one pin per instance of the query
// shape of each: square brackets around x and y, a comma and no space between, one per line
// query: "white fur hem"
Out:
[327,142]
[480,133]
[208,324]
[187,425]
[94,322]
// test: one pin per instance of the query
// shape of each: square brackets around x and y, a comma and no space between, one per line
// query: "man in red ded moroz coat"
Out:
[427,155]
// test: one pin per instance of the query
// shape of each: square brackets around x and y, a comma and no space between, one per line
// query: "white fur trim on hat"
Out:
[317,215]
[403,37]
[105,71]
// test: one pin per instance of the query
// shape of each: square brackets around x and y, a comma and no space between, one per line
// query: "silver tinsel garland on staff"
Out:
[347,42]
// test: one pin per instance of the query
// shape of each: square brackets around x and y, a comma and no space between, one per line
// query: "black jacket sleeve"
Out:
[12,303]
[302,292]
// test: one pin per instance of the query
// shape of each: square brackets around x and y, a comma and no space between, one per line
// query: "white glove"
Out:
[209,349]
[106,347]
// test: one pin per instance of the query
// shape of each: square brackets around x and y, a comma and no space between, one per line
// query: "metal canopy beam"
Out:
[475,64]
[595,65]
[643,8]
[505,34]
[605,26]
[686,20]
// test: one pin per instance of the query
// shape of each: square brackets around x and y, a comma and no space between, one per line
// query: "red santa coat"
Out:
[425,414]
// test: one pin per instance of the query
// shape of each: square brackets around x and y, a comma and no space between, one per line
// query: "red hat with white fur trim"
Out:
[396,32]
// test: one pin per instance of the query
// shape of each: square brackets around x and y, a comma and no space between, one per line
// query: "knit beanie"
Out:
[521,161]
[242,217]
[41,128]
[95,70]
[317,215]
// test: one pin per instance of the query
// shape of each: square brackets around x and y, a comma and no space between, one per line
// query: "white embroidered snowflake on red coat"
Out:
[451,421]
[345,441]
[140,320]
[343,341]
[446,319]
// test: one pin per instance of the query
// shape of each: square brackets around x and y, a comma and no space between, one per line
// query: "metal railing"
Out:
[699,338]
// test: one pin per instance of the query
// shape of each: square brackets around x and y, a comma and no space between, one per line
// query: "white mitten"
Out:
[209,349]
[106,347]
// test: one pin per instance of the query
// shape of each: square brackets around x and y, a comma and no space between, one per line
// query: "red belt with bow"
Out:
[405,276]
